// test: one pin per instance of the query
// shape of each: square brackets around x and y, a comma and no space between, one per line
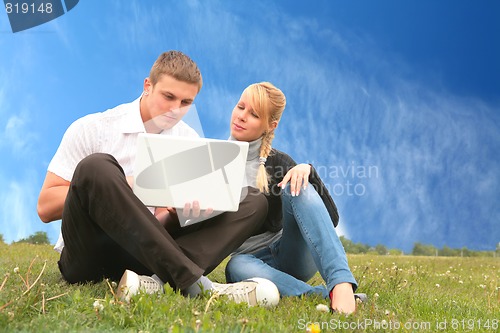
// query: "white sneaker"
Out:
[131,283]
[254,291]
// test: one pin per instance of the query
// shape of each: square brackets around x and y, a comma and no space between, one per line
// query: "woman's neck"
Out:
[253,148]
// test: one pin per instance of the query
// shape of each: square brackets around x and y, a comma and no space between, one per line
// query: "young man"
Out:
[107,230]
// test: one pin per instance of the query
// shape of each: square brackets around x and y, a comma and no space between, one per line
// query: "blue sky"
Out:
[397,103]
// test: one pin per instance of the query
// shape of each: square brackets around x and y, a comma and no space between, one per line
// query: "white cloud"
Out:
[18,135]
[18,196]
[14,211]
[5,24]
[427,143]
[431,159]
[142,27]
[19,142]
[3,101]
[348,101]
[18,200]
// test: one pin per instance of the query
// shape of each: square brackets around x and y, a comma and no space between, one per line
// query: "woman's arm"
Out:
[281,161]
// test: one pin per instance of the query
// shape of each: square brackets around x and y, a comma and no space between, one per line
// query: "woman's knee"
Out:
[308,192]
[241,267]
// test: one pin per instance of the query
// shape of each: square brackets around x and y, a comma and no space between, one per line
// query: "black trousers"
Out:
[107,229]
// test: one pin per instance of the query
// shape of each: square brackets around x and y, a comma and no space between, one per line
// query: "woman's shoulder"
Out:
[278,163]
[278,157]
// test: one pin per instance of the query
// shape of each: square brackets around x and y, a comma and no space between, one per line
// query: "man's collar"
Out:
[132,122]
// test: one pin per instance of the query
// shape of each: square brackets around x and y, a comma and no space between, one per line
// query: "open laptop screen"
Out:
[171,171]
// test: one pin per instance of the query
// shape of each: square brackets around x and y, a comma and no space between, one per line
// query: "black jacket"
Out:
[277,165]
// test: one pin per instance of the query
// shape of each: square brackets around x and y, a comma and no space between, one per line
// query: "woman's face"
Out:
[246,125]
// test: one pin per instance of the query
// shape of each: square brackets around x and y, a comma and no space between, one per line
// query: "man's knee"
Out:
[95,161]
[255,201]
[95,166]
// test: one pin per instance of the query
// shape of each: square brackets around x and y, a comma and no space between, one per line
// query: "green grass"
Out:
[407,294]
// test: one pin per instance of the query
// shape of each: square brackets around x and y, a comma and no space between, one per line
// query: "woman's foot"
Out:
[342,298]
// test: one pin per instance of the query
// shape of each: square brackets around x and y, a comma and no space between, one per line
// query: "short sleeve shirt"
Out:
[114,132]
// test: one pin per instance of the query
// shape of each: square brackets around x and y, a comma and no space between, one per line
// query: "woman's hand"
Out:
[298,176]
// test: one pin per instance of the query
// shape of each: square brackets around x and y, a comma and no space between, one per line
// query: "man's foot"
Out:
[342,298]
[132,283]
[254,291]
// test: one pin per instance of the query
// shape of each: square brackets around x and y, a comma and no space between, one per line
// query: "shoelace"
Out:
[149,285]
[238,293]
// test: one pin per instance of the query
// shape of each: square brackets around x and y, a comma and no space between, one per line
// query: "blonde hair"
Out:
[177,65]
[268,102]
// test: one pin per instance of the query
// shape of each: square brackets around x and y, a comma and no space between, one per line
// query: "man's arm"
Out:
[52,196]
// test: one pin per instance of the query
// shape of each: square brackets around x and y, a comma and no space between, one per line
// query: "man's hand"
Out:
[192,211]
[130,181]
[168,218]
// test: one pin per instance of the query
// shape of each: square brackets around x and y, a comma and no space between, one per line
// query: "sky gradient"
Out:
[396,103]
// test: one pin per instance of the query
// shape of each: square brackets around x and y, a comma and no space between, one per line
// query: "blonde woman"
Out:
[298,238]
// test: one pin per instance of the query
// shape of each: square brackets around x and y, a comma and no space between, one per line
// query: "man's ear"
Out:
[147,84]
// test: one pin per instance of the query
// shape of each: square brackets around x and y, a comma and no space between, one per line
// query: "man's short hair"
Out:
[177,65]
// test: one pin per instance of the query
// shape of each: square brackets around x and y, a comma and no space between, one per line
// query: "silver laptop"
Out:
[171,171]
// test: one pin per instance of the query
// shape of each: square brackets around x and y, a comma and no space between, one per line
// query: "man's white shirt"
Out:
[113,132]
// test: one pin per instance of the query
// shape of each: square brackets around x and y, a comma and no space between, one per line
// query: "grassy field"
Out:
[407,294]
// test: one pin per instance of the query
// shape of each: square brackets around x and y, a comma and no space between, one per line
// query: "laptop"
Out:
[171,171]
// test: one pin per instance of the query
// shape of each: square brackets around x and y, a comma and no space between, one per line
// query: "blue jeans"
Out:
[309,244]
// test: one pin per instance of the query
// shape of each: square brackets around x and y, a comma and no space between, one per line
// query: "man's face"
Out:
[164,104]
